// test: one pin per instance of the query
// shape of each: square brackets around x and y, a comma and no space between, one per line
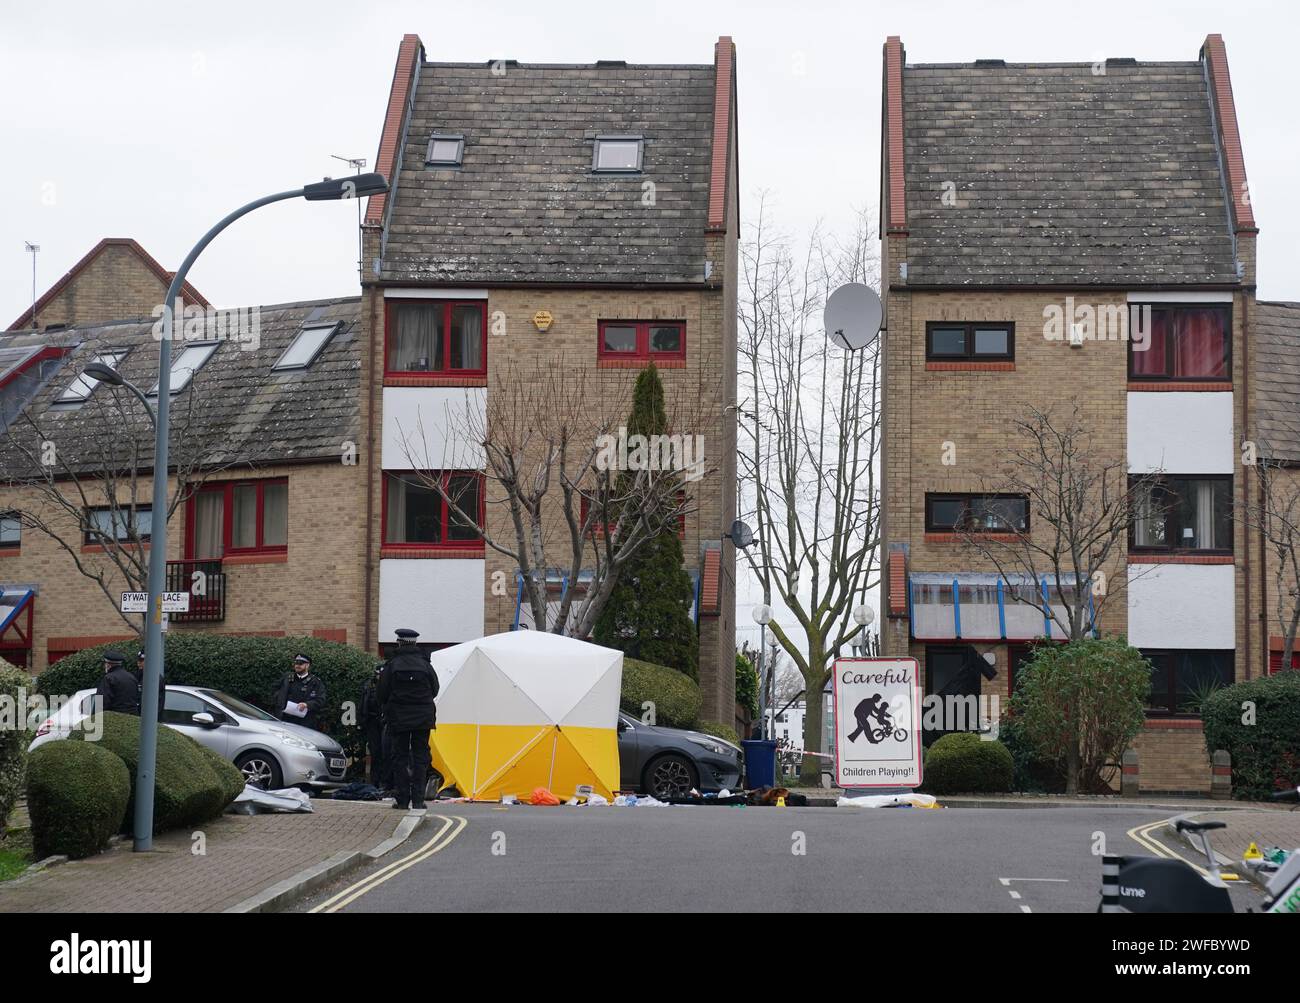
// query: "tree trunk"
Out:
[810,770]
[1072,760]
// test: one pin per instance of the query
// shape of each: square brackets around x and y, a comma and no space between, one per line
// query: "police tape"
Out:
[804,752]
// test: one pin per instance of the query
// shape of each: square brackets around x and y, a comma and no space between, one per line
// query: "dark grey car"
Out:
[668,762]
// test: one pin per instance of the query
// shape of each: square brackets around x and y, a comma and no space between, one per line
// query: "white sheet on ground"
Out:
[886,801]
[256,802]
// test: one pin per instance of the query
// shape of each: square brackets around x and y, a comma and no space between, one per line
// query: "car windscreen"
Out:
[237,705]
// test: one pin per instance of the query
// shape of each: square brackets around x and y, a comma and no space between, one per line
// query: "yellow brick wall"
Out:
[115,285]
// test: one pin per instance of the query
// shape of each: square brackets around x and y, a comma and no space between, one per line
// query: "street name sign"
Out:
[172,602]
[877,722]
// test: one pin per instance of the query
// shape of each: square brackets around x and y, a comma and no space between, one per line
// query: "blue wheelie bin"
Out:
[760,762]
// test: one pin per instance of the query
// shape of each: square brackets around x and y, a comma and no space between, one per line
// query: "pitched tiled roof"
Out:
[1063,175]
[1277,375]
[236,410]
[188,293]
[526,206]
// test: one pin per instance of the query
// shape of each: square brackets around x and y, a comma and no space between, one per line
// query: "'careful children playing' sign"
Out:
[877,722]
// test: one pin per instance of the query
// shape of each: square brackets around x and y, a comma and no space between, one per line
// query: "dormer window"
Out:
[445,150]
[617,154]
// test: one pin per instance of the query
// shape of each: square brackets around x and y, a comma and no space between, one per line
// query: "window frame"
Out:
[227,489]
[642,351]
[1168,377]
[968,496]
[444,511]
[132,534]
[1171,524]
[331,327]
[390,308]
[968,340]
[186,346]
[436,136]
[102,357]
[11,517]
[1158,655]
[618,138]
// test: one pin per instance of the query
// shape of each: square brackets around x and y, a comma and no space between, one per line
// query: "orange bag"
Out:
[542,796]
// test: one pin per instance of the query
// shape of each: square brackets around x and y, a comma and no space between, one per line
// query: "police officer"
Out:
[303,688]
[162,683]
[118,690]
[372,725]
[407,688]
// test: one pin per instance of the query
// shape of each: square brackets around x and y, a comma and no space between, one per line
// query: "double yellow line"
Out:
[1141,835]
[451,828]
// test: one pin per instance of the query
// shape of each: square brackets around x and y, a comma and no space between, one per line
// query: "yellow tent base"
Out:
[485,761]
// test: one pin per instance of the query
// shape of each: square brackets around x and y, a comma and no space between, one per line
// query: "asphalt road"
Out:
[485,858]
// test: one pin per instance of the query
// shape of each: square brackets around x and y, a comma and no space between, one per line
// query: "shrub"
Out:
[188,788]
[676,697]
[1081,704]
[746,685]
[1033,773]
[246,667]
[13,739]
[962,762]
[718,730]
[229,776]
[1265,752]
[77,794]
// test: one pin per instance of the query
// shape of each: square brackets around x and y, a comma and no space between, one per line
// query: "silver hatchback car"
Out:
[270,753]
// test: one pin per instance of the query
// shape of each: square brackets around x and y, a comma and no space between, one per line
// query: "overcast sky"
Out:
[152,120]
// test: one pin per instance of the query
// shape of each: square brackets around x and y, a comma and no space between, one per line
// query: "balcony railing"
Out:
[205,581]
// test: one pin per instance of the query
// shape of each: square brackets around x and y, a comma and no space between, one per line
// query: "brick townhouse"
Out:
[1010,189]
[602,197]
[115,278]
[265,428]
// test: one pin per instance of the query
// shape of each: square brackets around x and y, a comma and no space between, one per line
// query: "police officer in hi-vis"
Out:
[407,688]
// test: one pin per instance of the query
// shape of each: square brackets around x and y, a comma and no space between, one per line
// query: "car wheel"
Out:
[260,770]
[669,776]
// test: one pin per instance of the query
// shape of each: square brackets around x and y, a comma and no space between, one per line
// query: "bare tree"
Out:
[579,499]
[1277,520]
[809,465]
[85,479]
[1061,510]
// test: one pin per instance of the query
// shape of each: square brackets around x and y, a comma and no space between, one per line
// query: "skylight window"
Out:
[617,154]
[83,386]
[186,363]
[445,150]
[310,342]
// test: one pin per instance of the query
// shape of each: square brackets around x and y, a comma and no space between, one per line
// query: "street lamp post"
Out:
[328,190]
[762,616]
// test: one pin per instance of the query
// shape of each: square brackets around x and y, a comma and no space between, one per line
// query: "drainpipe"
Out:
[376,318]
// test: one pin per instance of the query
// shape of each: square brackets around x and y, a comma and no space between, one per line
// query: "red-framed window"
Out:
[1186,342]
[238,517]
[634,339]
[435,337]
[416,515]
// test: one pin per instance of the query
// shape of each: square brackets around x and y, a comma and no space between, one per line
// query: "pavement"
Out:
[1261,826]
[490,858]
[242,856]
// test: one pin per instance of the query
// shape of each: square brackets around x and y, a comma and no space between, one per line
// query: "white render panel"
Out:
[1180,297]
[1182,606]
[442,599]
[435,294]
[1181,433]
[445,415]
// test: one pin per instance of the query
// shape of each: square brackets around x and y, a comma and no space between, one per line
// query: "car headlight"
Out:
[708,743]
[295,741]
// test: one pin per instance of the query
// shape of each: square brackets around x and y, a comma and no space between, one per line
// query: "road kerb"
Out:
[285,893]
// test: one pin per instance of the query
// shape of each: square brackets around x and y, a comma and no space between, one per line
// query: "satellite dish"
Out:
[741,535]
[852,316]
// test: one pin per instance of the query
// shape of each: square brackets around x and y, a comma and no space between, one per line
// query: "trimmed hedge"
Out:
[77,794]
[189,789]
[675,695]
[13,740]
[962,762]
[1265,752]
[229,776]
[246,667]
